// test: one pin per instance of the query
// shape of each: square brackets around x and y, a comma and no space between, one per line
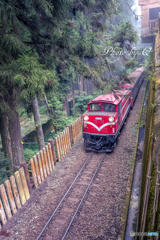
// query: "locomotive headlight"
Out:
[86,118]
[111,119]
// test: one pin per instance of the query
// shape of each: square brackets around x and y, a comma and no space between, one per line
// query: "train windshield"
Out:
[109,107]
[95,107]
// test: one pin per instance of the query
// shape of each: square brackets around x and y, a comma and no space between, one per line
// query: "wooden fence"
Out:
[63,144]
[42,165]
[76,129]
[16,191]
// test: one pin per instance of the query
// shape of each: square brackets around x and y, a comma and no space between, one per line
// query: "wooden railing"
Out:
[14,194]
[76,129]
[42,165]
[63,144]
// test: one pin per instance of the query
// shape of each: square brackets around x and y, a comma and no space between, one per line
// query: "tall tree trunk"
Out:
[85,86]
[8,148]
[80,84]
[55,129]
[73,98]
[91,87]
[73,93]
[47,105]
[66,107]
[15,131]
[2,133]
[38,125]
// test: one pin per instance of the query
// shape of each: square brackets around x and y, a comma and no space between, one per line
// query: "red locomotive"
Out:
[107,114]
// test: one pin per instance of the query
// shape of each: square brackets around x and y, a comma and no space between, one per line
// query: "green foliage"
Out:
[22,112]
[5,171]
[81,103]
[59,120]
[130,64]
[125,32]
[29,153]
[58,116]
[43,110]
[32,77]
[129,71]
[30,150]
[148,63]
[66,121]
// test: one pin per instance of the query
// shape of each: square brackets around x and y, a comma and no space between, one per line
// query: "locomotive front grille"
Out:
[101,122]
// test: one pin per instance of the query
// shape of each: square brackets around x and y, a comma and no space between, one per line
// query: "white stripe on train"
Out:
[104,125]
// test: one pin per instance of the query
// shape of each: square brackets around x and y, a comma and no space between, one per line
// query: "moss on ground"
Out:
[147,145]
[135,130]
[149,218]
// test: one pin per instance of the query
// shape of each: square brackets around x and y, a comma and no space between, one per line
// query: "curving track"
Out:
[81,183]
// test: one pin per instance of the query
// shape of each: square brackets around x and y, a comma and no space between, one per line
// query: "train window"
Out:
[119,107]
[109,107]
[95,107]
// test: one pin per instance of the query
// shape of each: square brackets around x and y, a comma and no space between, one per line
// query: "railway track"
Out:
[58,226]
[104,209]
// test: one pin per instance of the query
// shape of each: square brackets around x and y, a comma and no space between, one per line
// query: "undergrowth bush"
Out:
[5,171]
[66,121]
[43,110]
[81,104]
[30,151]
[22,112]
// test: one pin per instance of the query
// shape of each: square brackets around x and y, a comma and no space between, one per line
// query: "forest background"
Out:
[47,48]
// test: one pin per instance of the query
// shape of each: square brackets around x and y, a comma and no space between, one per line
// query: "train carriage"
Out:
[107,114]
[136,78]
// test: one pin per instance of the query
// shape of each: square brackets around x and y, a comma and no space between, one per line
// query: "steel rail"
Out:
[64,196]
[83,197]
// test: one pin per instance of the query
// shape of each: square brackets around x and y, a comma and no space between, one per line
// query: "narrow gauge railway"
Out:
[69,203]
[104,209]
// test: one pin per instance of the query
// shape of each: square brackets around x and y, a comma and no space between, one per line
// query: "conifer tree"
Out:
[17,28]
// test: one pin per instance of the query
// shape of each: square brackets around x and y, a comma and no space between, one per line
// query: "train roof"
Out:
[111,98]
[128,85]
[136,74]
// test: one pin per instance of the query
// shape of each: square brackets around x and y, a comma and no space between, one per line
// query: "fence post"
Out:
[20,187]
[25,167]
[2,214]
[70,134]
[53,150]
[159,22]
[5,201]
[81,116]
